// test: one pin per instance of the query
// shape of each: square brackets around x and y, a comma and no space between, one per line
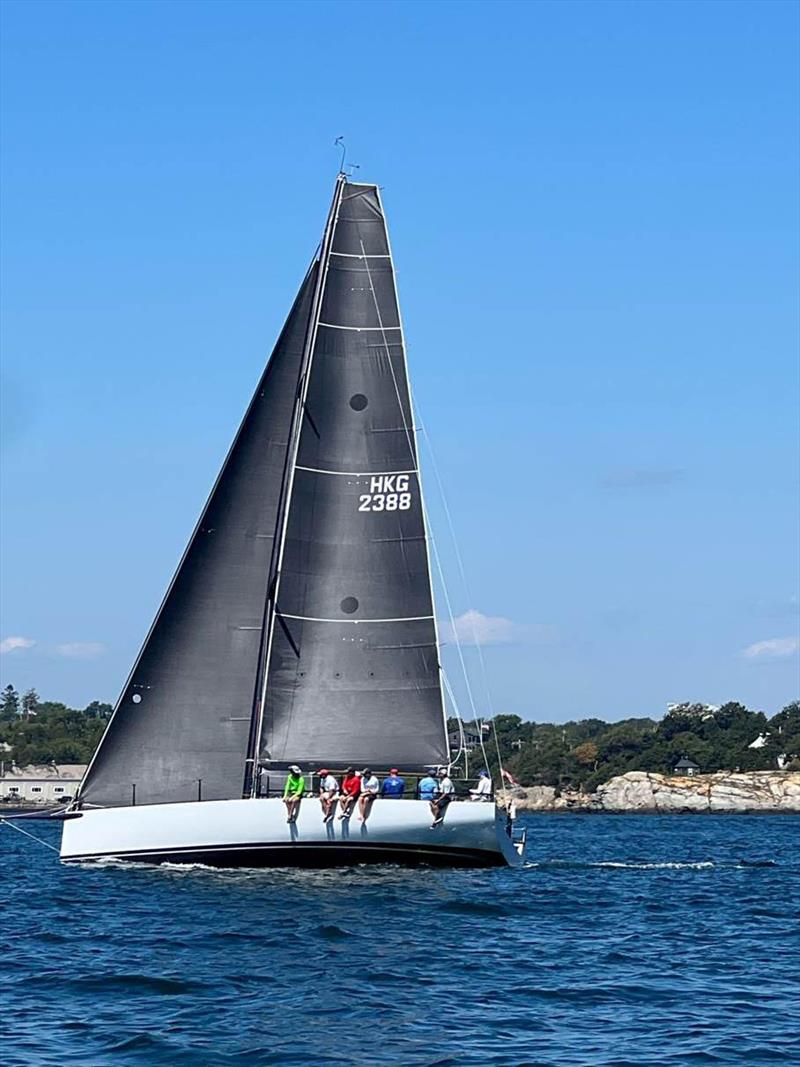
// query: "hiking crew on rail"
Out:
[363,788]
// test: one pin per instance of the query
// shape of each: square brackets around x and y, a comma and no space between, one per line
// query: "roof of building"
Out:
[45,771]
[684,763]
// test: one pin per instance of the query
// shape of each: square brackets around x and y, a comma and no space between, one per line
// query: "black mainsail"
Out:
[353,672]
[299,625]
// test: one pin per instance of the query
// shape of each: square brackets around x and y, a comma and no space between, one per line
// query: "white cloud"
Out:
[81,650]
[773,648]
[475,628]
[16,644]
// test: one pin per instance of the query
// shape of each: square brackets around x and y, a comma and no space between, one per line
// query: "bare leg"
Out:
[366,806]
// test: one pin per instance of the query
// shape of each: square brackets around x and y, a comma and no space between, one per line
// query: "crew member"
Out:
[483,790]
[328,793]
[427,788]
[445,792]
[293,792]
[394,785]
[351,787]
[370,787]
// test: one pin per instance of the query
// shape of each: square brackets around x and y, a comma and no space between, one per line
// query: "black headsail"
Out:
[180,728]
[352,659]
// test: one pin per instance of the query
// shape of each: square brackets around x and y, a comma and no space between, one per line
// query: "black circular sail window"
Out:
[358,402]
[349,605]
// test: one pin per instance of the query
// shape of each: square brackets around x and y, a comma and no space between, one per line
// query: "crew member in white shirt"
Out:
[445,792]
[370,788]
[483,790]
[328,793]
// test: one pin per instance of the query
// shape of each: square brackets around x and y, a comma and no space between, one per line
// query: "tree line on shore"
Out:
[585,753]
[44,731]
[574,755]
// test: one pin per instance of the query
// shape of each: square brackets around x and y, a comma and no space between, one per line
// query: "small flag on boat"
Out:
[509,778]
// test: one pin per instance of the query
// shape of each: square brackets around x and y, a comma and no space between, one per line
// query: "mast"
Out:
[250,785]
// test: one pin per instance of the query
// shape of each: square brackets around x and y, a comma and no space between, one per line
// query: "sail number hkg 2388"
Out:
[387,492]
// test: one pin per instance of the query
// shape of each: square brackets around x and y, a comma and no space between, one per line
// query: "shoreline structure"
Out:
[649,793]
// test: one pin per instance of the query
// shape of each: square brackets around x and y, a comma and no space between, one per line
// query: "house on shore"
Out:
[471,740]
[686,767]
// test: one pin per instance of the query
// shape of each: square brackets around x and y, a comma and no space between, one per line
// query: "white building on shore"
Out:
[48,783]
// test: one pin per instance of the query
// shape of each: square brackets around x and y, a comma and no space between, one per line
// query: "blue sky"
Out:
[594,216]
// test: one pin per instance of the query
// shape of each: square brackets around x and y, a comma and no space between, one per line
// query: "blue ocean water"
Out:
[625,941]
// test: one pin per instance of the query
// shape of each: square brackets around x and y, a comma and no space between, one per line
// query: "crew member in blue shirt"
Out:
[428,788]
[394,785]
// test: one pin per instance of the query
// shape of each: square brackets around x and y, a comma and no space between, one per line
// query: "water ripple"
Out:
[624,941]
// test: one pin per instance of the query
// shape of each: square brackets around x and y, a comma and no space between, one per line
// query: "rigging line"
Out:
[463,573]
[7,822]
[461,736]
[426,516]
[500,764]
[483,749]
[459,558]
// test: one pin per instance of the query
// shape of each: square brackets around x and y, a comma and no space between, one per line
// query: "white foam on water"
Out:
[655,866]
[614,864]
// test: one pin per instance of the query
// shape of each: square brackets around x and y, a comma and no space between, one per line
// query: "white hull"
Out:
[254,833]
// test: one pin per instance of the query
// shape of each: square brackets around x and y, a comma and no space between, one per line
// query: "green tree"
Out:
[9,704]
[586,754]
[30,703]
[98,710]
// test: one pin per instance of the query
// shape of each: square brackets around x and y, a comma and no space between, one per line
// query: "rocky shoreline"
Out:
[649,793]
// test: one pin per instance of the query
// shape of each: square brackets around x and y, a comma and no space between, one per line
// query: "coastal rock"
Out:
[645,791]
[535,798]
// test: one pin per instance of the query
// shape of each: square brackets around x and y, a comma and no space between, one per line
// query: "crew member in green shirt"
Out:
[293,792]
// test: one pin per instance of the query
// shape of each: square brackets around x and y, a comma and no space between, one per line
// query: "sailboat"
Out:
[299,627]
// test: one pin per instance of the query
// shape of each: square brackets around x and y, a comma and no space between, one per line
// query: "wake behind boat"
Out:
[299,627]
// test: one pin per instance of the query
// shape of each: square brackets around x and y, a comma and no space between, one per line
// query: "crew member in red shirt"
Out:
[351,789]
